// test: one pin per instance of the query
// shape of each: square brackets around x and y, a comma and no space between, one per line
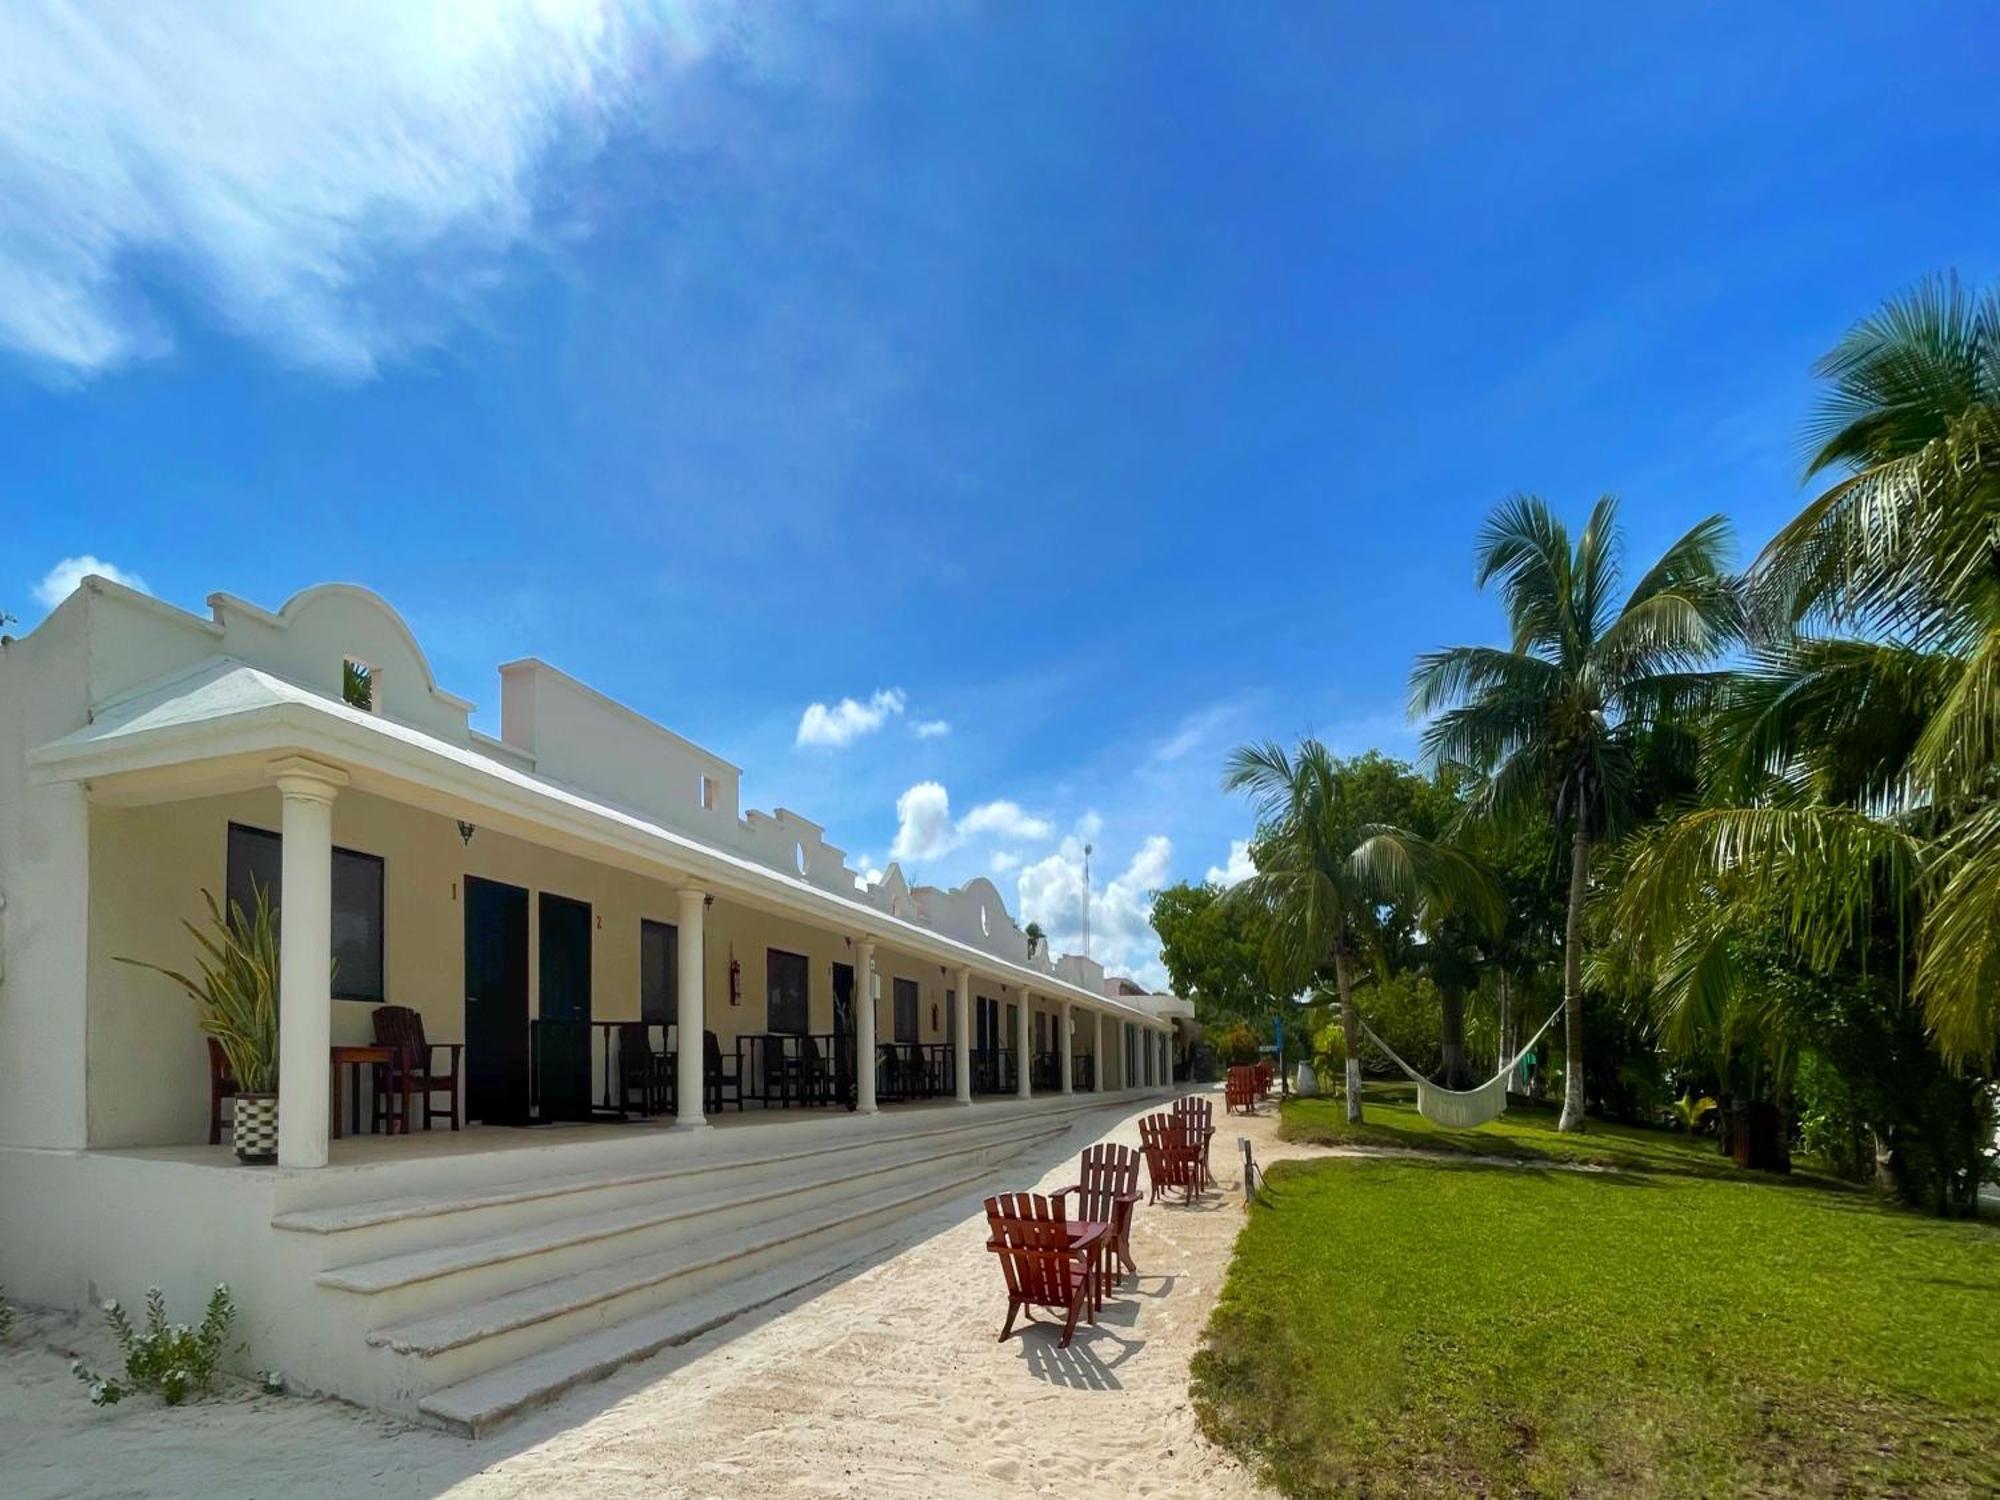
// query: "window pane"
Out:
[257,855]
[357,926]
[659,973]
[906,1010]
[785,992]
[253,854]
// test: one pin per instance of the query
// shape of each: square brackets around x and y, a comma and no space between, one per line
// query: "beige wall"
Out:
[147,1070]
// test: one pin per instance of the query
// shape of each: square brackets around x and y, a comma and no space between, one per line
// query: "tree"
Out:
[1563,720]
[1035,936]
[1329,870]
[1853,789]
[1213,951]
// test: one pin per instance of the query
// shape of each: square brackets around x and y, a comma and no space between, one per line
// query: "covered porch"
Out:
[562,946]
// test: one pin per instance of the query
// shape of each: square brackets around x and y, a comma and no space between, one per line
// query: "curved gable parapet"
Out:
[319,630]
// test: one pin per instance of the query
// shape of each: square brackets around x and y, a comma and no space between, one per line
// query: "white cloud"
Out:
[1004,818]
[923,823]
[1239,869]
[340,182]
[847,720]
[61,580]
[1004,862]
[1121,929]
[925,828]
[930,729]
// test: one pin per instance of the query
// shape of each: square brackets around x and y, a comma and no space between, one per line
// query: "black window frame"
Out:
[670,981]
[341,990]
[804,972]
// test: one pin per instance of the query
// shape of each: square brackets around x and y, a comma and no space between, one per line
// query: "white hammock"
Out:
[1462,1109]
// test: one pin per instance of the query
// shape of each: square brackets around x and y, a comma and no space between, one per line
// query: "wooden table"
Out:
[358,1057]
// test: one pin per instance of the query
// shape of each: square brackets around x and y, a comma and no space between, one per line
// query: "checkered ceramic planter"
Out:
[255,1128]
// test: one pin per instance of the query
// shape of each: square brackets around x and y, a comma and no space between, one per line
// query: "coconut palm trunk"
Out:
[1579,890]
[1451,1047]
[1350,1031]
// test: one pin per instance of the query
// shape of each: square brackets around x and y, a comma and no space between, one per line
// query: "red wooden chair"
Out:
[1107,1191]
[1198,1115]
[1048,1260]
[1239,1092]
[222,1085]
[1173,1160]
[416,1066]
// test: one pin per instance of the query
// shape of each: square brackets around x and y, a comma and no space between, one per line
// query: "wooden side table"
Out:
[358,1057]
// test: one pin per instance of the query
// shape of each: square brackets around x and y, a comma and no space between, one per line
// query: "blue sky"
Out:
[1109,383]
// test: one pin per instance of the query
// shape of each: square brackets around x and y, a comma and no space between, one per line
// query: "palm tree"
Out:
[1856,763]
[1563,720]
[1326,869]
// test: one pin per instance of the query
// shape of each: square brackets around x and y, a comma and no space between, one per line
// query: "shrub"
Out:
[173,1361]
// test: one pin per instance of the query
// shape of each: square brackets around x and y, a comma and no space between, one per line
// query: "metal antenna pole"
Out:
[1086,900]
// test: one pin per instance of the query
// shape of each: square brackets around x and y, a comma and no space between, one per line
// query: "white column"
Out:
[691,1012]
[961,1066]
[1023,1058]
[1068,1055]
[305,959]
[1097,1068]
[864,1027]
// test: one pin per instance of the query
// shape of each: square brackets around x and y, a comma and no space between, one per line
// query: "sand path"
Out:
[888,1383]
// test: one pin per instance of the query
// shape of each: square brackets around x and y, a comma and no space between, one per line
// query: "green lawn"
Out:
[1419,1328]
[1525,1133]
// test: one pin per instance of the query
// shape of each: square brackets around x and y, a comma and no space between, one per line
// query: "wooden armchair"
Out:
[1048,1260]
[641,1070]
[415,1071]
[222,1085]
[1239,1092]
[1106,1192]
[1173,1160]
[720,1080]
[1198,1115]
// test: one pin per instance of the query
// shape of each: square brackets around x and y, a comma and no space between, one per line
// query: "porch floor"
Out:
[440,1141]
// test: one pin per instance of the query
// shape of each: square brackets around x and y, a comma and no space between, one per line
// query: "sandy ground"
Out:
[889,1383]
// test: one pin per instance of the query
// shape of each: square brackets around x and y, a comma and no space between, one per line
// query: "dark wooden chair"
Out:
[641,1071]
[1048,1260]
[222,1085]
[415,1071]
[1239,1092]
[1173,1160]
[1106,1192]
[1199,1116]
[721,1080]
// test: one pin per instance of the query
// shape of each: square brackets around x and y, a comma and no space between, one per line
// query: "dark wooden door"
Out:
[843,1031]
[496,1002]
[562,1033]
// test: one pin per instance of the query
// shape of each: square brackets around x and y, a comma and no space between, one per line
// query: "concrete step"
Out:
[461,1342]
[476,1406]
[489,1263]
[336,1235]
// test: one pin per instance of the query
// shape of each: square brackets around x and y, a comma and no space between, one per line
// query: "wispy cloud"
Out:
[60,581]
[832,728]
[930,729]
[339,182]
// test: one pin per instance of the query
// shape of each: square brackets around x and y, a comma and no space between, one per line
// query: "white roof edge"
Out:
[293,719]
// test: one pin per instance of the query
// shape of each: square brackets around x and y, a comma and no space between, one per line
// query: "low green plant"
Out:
[236,995]
[171,1360]
[1691,1111]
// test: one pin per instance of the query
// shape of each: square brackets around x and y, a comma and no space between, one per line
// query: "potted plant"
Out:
[236,1002]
